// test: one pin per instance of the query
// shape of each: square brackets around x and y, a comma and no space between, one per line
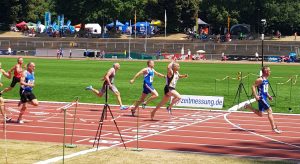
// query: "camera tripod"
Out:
[241,88]
[101,121]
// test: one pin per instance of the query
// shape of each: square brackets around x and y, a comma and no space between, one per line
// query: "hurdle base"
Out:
[137,149]
[70,146]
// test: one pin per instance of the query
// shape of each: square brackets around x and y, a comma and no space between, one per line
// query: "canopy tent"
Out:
[200,21]
[21,25]
[118,24]
[156,23]
[240,28]
[200,51]
[142,26]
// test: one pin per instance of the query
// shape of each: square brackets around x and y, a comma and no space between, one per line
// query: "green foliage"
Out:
[280,15]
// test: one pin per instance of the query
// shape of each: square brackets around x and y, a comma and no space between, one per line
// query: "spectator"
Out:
[295,34]
[256,56]
[9,52]
[70,53]
[189,54]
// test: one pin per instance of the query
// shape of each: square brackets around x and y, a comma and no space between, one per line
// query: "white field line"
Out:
[263,136]
[95,149]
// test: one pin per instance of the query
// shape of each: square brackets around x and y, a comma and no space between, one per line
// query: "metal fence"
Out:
[151,46]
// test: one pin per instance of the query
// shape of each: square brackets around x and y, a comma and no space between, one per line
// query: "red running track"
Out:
[200,131]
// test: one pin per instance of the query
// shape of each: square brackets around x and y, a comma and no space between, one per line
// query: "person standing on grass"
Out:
[148,73]
[17,75]
[260,92]
[109,81]
[26,94]
[170,91]
[3,73]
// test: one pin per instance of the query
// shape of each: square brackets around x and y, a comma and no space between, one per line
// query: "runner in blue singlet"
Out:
[260,92]
[148,73]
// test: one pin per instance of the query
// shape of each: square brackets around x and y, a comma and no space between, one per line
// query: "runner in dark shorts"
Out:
[109,81]
[148,88]
[17,69]
[26,94]
[169,90]
[2,109]
[260,92]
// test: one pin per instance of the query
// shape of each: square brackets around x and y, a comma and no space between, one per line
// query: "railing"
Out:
[151,46]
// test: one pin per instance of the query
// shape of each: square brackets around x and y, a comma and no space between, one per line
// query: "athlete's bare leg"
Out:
[2,106]
[176,98]
[271,119]
[141,100]
[34,102]
[165,99]
[118,95]
[153,96]
[6,89]
[100,94]
[257,112]
[22,111]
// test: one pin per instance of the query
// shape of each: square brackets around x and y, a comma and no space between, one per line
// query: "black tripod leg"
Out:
[98,134]
[116,126]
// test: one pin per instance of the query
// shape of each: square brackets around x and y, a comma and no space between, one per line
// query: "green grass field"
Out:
[62,80]
[30,152]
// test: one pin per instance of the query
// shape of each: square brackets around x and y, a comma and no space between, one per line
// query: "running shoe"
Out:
[89,88]
[19,103]
[169,110]
[132,112]
[20,122]
[246,106]
[276,130]
[143,105]
[123,107]
[8,119]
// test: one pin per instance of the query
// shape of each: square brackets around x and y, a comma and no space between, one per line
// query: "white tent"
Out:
[94,27]
[199,21]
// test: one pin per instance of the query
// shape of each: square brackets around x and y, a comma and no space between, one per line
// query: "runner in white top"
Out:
[171,81]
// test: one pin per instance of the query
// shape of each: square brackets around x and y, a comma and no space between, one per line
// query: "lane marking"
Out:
[95,149]
[78,141]
[263,136]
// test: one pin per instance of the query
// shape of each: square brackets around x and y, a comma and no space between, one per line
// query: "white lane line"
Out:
[78,141]
[263,136]
[95,149]
[91,104]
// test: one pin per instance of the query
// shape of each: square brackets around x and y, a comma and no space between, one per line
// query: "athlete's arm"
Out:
[22,80]
[142,71]
[12,68]
[170,71]
[6,74]
[254,86]
[159,74]
[183,76]
[106,77]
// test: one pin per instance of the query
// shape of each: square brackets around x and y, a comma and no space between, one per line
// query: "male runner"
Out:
[3,73]
[172,77]
[26,94]
[109,80]
[17,75]
[148,73]
[260,92]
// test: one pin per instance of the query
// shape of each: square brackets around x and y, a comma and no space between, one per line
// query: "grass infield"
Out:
[31,152]
[62,80]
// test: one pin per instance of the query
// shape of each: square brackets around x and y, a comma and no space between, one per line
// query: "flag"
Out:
[228,23]
[135,24]
[165,23]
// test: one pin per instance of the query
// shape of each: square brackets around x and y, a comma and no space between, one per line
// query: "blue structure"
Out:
[141,28]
